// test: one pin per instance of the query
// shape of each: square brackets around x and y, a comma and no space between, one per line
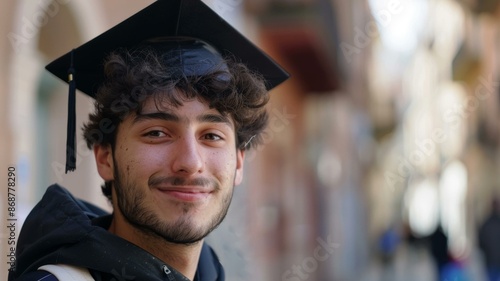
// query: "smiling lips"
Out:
[187,193]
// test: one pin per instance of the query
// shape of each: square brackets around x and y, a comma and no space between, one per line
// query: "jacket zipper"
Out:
[168,272]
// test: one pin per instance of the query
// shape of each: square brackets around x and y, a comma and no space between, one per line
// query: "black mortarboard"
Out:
[82,68]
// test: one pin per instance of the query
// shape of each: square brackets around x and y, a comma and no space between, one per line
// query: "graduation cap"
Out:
[211,39]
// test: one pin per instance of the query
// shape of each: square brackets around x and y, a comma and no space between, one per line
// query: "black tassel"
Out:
[71,130]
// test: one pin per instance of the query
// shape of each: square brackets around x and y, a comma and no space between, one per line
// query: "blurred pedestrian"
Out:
[439,251]
[388,244]
[455,270]
[489,242]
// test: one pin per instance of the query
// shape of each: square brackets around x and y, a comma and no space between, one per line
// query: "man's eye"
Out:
[212,137]
[155,133]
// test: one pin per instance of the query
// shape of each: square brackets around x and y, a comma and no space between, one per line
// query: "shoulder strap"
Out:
[68,272]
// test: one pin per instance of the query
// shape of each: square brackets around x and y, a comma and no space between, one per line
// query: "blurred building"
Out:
[389,122]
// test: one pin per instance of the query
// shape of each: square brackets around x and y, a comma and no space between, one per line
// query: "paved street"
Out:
[413,264]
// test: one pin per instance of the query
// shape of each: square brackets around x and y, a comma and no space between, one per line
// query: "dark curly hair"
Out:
[132,76]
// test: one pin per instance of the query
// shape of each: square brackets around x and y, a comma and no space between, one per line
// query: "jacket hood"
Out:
[63,230]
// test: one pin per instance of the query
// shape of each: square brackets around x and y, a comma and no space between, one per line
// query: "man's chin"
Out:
[186,238]
[190,242]
[184,232]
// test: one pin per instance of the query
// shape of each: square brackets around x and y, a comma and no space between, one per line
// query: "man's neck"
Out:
[183,258]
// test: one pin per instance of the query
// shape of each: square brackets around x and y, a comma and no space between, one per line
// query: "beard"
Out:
[136,209]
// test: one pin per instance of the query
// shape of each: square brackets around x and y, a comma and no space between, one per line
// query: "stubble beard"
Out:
[133,206]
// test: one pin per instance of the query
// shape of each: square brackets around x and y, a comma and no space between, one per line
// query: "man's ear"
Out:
[104,160]
[240,159]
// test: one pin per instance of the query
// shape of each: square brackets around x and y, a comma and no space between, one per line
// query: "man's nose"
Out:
[187,156]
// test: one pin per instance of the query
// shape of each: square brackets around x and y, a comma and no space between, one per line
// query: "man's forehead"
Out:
[165,103]
[195,108]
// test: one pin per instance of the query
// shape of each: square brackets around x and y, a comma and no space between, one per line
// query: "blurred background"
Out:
[381,160]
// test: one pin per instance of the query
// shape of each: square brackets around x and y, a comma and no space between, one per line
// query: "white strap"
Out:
[65,272]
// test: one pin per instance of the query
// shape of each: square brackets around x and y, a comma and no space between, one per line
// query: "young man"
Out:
[180,96]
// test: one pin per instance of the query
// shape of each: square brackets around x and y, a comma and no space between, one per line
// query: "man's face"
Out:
[174,170]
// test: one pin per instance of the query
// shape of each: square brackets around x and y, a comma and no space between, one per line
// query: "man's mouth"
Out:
[186,193]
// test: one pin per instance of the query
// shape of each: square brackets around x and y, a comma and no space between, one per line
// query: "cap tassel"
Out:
[71,130]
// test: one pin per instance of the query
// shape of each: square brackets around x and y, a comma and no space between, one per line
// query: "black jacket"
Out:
[63,230]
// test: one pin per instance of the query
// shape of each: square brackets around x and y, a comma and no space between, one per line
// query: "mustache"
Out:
[180,181]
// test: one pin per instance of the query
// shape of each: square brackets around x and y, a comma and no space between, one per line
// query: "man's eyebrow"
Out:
[214,118]
[156,115]
[210,118]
